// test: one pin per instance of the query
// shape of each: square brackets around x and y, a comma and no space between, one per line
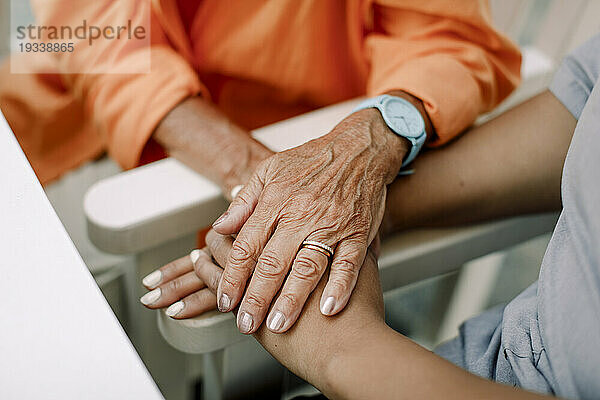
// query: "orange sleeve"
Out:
[446,53]
[125,108]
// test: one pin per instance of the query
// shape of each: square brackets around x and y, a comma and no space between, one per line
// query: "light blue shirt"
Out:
[548,338]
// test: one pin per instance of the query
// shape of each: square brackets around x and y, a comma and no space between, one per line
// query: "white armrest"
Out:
[150,205]
[142,208]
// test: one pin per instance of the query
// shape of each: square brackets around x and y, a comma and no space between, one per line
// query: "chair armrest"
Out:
[150,205]
[147,206]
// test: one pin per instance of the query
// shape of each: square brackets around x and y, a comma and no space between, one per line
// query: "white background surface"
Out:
[58,337]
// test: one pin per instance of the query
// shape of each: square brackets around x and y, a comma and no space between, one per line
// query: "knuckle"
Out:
[255,301]
[269,265]
[271,194]
[306,268]
[361,220]
[201,270]
[305,205]
[340,286]
[289,300]
[174,286]
[264,165]
[345,267]
[243,200]
[306,198]
[213,282]
[231,282]
[344,276]
[240,252]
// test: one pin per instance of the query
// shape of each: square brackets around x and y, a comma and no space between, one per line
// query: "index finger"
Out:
[170,271]
[219,246]
[243,256]
[207,271]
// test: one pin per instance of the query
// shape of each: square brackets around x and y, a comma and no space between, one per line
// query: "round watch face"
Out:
[403,117]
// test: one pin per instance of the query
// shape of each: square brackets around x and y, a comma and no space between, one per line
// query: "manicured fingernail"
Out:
[236,190]
[195,255]
[175,309]
[328,305]
[245,322]
[224,303]
[151,297]
[277,321]
[153,279]
[221,219]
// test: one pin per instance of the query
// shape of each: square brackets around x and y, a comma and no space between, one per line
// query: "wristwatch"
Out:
[402,118]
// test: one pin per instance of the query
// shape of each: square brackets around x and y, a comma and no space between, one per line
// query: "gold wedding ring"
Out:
[318,246]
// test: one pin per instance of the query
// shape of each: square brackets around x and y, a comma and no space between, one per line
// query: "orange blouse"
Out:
[260,61]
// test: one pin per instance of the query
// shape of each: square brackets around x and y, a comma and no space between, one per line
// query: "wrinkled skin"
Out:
[331,190]
[195,285]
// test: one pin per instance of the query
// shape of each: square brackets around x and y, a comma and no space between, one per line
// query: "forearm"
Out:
[381,364]
[199,135]
[511,165]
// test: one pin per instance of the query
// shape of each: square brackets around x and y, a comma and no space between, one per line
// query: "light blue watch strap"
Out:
[417,140]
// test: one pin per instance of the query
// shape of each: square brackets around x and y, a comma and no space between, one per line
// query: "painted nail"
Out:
[151,297]
[224,303]
[221,219]
[277,321]
[194,256]
[236,189]
[153,279]
[328,305]
[245,322]
[175,308]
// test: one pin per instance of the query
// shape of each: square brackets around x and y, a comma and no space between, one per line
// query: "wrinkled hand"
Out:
[190,294]
[311,346]
[331,190]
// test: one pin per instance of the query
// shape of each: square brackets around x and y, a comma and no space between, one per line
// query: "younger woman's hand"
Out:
[188,286]
[311,346]
[178,287]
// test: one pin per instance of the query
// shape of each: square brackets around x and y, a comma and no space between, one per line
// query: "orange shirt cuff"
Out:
[449,93]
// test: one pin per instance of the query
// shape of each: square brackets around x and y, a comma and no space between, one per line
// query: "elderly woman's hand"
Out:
[313,347]
[330,190]
[187,294]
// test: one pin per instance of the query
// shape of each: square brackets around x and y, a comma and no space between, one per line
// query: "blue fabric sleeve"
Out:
[576,76]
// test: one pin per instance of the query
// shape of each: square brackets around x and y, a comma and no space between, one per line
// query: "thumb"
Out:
[241,207]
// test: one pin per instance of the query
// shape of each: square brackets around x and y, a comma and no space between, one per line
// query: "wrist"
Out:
[242,166]
[199,135]
[411,145]
[391,142]
[418,103]
[388,148]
